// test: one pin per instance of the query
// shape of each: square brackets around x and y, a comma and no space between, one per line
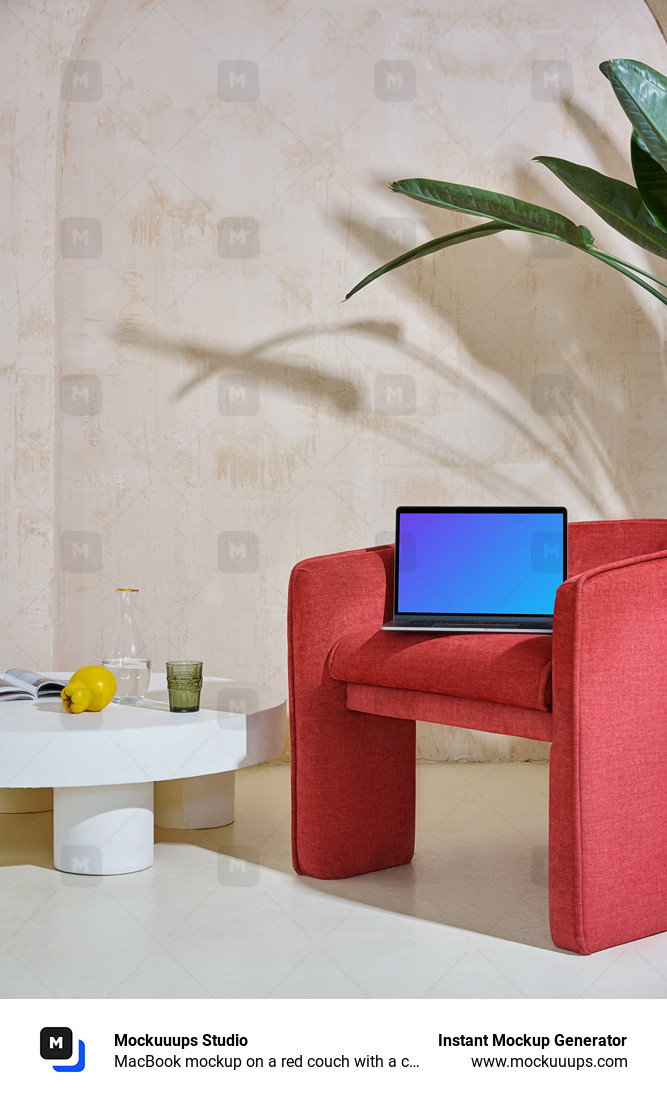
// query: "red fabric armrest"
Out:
[608,816]
[353,775]
[329,597]
[340,593]
[602,618]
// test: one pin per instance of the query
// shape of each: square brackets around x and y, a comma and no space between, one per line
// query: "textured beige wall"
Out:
[221,182]
[33,41]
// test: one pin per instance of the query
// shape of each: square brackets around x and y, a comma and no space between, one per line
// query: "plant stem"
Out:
[624,263]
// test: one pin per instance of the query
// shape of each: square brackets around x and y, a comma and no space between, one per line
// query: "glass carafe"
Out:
[126,655]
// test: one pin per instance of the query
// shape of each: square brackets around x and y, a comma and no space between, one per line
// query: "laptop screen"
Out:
[479,560]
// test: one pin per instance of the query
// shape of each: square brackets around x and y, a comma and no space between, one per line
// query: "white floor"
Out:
[221,913]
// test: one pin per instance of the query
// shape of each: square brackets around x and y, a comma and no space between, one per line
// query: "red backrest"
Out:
[602,541]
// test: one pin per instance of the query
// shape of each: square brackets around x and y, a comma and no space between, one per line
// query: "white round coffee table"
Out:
[113,771]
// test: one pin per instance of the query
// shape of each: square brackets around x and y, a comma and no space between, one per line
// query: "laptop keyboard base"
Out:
[471,625]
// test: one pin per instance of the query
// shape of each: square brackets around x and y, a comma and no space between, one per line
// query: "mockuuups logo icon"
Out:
[56,1044]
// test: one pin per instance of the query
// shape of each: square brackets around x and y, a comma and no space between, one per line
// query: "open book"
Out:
[17,683]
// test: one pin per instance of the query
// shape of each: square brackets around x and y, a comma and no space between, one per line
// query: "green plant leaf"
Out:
[651,180]
[619,204]
[642,93]
[512,213]
[436,245]
[427,249]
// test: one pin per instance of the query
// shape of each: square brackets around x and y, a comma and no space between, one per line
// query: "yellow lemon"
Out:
[91,688]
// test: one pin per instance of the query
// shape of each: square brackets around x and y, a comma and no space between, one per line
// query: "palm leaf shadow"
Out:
[599,436]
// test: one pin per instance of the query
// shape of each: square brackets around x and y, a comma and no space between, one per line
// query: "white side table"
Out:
[103,767]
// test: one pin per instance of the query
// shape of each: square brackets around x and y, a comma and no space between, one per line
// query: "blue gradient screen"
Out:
[479,563]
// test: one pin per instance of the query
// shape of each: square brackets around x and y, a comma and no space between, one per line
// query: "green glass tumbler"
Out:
[184,680]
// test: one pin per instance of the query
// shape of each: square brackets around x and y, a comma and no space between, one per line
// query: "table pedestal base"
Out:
[206,801]
[103,829]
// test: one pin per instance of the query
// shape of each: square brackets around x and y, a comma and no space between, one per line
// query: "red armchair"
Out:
[597,690]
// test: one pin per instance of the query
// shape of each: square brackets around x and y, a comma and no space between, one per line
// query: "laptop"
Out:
[478,570]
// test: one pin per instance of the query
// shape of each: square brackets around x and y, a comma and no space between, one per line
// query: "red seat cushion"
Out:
[514,669]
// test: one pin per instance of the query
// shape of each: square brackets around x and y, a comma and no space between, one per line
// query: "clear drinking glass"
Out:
[184,680]
[126,655]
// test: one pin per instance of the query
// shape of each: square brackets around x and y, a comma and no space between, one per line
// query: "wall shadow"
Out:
[448,285]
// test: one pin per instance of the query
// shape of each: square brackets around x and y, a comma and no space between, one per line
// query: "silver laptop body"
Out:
[478,570]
